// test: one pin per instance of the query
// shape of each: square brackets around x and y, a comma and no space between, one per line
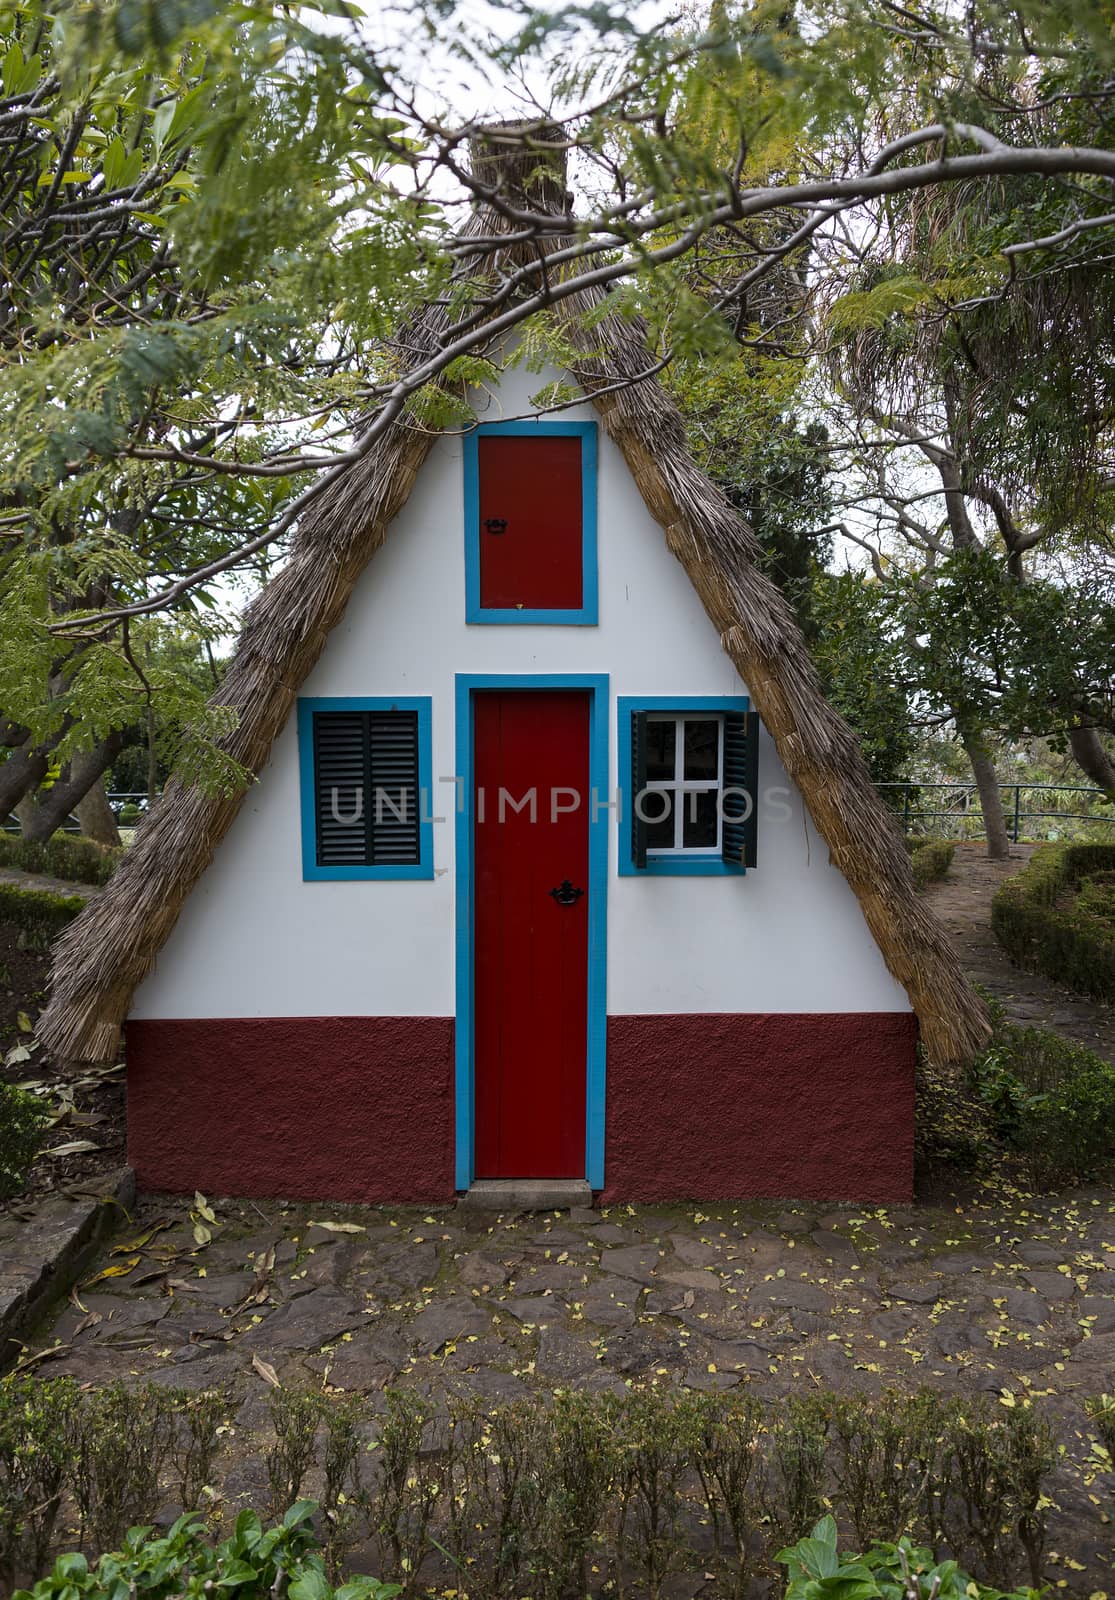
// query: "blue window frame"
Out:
[671,861]
[414,836]
[588,612]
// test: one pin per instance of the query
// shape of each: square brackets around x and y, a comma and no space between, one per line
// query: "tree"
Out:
[216,222]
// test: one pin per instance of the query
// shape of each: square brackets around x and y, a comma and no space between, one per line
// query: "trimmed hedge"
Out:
[930,859]
[1050,1099]
[77,860]
[1074,945]
[39,914]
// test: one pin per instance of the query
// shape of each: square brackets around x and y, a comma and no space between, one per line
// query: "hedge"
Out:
[930,859]
[77,860]
[36,913]
[1070,944]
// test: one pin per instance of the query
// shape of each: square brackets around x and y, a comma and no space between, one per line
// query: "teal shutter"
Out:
[638,784]
[740,835]
[366,798]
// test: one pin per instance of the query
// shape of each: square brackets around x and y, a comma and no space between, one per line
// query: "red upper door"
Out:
[531,552]
[531,809]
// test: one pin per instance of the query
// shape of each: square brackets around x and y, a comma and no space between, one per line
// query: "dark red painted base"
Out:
[355,1109]
[808,1107]
[360,1109]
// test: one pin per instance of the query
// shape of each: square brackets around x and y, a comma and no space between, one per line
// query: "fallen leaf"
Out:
[138,1244]
[202,1234]
[76,1302]
[340,1227]
[266,1371]
[203,1208]
[24,1023]
[74,1148]
[120,1270]
[40,1355]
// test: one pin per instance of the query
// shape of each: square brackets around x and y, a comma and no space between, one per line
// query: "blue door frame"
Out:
[595,1044]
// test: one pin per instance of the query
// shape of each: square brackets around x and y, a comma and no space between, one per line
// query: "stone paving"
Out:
[1007,1294]
[963,902]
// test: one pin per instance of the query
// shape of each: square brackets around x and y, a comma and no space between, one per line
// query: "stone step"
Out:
[526,1194]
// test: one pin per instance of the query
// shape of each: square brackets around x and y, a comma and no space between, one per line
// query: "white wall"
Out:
[255,940]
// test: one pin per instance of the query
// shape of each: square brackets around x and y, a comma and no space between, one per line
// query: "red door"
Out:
[531,809]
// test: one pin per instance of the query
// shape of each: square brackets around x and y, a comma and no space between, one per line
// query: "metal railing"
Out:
[965,813]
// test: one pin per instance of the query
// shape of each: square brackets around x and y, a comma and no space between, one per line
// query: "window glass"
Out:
[702,748]
[699,821]
[661,750]
[658,808]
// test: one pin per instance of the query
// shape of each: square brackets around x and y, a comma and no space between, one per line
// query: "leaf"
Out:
[120,1270]
[17,1053]
[203,1208]
[143,1239]
[24,1023]
[340,1227]
[266,1371]
[310,1585]
[74,1148]
[202,1234]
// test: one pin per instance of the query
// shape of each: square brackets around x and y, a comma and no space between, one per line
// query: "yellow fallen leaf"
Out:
[120,1270]
[344,1227]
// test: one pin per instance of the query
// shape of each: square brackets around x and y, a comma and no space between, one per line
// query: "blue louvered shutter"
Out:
[638,785]
[393,757]
[366,798]
[740,834]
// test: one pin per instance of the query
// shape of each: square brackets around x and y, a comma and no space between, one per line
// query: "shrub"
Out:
[35,1419]
[1073,944]
[930,860]
[39,916]
[284,1560]
[953,1125]
[901,1571]
[1050,1099]
[22,1124]
[549,1498]
[77,860]
[1101,1414]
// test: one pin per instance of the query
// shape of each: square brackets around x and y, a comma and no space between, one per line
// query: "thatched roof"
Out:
[111,947]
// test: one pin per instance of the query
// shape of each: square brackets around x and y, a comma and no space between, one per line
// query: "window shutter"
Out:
[341,788]
[366,795]
[741,771]
[638,784]
[393,748]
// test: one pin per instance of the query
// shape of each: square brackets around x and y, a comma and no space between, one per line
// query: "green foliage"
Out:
[1050,1100]
[930,859]
[35,1433]
[816,1569]
[75,859]
[1046,927]
[185,1562]
[953,1126]
[547,1498]
[22,1128]
[39,916]
[860,659]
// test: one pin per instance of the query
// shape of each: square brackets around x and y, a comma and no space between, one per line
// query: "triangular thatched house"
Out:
[559,866]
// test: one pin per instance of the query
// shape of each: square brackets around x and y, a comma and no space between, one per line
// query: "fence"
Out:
[963,817]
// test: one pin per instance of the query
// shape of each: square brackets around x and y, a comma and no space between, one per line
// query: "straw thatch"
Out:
[110,948]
